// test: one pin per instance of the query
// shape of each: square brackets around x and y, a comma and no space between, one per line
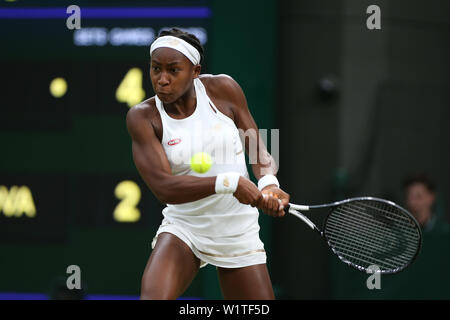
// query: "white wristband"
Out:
[227,182]
[267,180]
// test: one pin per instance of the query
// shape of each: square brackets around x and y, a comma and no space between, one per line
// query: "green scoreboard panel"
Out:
[65,158]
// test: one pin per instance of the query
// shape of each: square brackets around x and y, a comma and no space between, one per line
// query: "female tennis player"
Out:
[210,217]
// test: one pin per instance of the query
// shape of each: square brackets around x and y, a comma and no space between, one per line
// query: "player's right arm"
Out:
[152,163]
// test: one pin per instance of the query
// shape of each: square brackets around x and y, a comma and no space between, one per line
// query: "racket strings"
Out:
[367,232]
[370,245]
[373,226]
[370,241]
[356,228]
[366,246]
[378,226]
[363,242]
[363,245]
[407,228]
[359,256]
[388,216]
[367,260]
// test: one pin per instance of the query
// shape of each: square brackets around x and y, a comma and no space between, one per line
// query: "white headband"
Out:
[178,44]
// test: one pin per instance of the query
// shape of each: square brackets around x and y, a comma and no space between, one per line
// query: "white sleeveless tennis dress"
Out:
[218,229]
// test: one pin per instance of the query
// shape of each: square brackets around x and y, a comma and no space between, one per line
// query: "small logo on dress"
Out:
[174,142]
[226,183]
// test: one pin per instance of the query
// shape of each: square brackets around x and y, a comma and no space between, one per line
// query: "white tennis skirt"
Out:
[228,251]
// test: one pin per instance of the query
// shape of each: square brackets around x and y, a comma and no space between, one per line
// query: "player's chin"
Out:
[166,98]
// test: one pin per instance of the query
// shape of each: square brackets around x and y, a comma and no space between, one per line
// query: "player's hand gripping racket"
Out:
[368,231]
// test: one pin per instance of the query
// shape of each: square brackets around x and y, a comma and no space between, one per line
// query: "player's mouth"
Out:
[166,97]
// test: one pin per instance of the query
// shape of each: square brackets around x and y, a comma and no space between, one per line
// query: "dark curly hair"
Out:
[186,36]
[419,178]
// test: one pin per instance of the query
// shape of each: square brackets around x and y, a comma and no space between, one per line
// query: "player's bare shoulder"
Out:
[142,114]
[221,85]
[140,111]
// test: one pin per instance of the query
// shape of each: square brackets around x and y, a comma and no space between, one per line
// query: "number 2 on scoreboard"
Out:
[130,194]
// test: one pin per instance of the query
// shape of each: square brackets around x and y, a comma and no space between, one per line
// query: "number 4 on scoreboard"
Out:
[130,89]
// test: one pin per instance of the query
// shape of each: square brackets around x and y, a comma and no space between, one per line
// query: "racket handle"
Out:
[299,207]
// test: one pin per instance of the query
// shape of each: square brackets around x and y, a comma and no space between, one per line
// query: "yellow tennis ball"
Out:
[201,162]
[58,87]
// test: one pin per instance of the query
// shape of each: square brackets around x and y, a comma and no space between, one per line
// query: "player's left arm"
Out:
[260,159]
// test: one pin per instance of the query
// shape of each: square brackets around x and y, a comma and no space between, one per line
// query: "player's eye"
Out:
[154,68]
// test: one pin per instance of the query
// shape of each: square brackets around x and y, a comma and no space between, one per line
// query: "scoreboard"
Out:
[65,158]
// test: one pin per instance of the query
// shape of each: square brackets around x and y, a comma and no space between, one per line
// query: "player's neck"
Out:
[183,106]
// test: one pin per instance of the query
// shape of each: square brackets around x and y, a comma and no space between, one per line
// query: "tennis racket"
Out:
[367,231]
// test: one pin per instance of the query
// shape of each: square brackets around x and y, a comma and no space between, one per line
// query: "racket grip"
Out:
[286,209]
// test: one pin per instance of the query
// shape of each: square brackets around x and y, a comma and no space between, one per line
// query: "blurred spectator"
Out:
[420,195]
